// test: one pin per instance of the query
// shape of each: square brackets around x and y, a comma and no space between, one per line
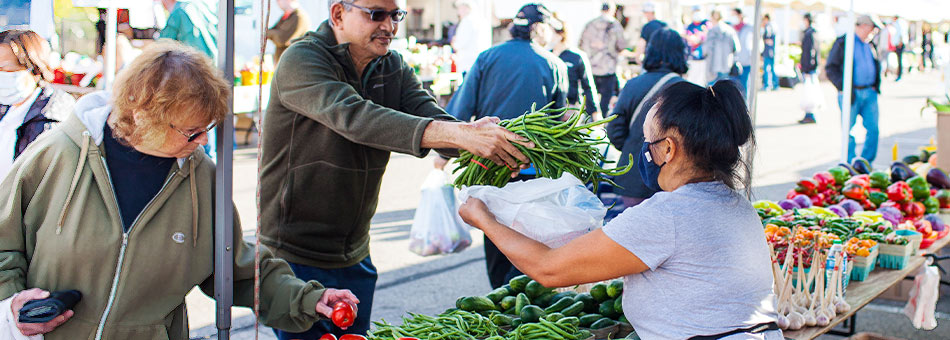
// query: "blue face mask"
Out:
[649,170]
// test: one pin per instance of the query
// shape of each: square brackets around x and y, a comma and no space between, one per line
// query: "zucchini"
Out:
[519,283]
[615,288]
[531,313]
[560,305]
[520,301]
[501,319]
[618,305]
[602,323]
[589,319]
[475,304]
[607,309]
[496,295]
[573,309]
[546,299]
[558,296]
[590,305]
[554,317]
[515,322]
[599,292]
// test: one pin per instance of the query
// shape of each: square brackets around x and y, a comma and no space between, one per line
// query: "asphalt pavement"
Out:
[786,151]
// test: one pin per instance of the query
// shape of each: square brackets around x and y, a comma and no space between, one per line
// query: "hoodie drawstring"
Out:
[72,187]
[194,202]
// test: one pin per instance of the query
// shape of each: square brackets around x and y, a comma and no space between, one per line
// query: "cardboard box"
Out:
[943,140]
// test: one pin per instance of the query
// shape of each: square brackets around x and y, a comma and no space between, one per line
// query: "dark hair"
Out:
[520,32]
[666,49]
[809,18]
[714,124]
[766,16]
[31,51]
[737,10]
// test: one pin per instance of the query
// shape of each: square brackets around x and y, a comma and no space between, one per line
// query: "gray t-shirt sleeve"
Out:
[646,231]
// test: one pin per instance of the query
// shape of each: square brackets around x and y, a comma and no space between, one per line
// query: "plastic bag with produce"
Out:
[437,227]
[550,211]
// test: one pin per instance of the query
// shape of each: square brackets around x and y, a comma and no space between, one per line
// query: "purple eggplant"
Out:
[938,179]
[802,200]
[851,206]
[788,204]
[837,209]
[861,166]
[935,222]
[891,214]
[901,172]
[850,169]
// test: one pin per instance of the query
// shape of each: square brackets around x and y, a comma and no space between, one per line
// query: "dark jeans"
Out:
[864,105]
[608,85]
[359,279]
[500,270]
[900,60]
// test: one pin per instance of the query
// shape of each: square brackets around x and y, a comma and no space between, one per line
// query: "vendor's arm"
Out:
[311,87]
[589,258]
[286,302]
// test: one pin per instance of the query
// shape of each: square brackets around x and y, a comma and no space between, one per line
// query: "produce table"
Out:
[860,293]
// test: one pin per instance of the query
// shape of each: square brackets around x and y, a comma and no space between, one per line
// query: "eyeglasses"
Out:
[380,15]
[192,136]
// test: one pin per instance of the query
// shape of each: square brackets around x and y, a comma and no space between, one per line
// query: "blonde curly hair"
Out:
[169,82]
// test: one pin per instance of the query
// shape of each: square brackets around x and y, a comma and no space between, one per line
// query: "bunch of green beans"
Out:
[544,329]
[559,146]
[451,325]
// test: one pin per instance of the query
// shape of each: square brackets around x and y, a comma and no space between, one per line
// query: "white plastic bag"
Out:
[922,303]
[436,226]
[810,93]
[551,211]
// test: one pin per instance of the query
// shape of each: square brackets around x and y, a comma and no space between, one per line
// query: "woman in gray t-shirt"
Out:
[693,257]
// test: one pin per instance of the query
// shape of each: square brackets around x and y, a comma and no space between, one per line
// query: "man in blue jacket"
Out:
[504,82]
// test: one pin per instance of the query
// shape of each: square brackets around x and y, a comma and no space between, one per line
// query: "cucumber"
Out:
[520,301]
[510,311]
[573,309]
[599,292]
[501,319]
[535,289]
[496,295]
[623,319]
[602,323]
[590,305]
[584,334]
[519,283]
[475,304]
[558,296]
[615,288]
[507,302]
[515,322]
[569,320]
[607,309]
[589,319]
[554,317]
[511,292]
[546,299]
[531,313]
[558,306]
[618,305]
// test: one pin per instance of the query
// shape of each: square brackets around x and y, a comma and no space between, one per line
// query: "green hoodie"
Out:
[60,229]
[327,136]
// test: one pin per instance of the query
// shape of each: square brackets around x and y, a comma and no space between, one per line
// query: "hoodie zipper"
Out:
[125,244]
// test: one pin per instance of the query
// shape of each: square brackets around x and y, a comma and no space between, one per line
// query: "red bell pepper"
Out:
[868,205]
[791,194]
[855,191]
[825,180]
[913,210]
[352,337]
[328,336]
[818,200]
[807,187]
[863,180]
[899,192]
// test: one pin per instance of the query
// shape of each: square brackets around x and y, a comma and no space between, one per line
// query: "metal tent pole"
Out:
[848,82]
[752,89]
[223,205]
[111,31]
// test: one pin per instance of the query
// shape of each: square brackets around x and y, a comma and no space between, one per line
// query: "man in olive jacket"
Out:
[340,103]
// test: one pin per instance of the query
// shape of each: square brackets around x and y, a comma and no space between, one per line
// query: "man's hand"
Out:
[475,213]
[439,163]
[332,296]
[484,138]
[30,329]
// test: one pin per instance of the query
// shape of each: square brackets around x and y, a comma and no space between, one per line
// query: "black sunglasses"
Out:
[192,136]
[380,15]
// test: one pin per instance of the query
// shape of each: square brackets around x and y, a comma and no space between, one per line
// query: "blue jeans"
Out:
[769,79]
[359,279]
[744,78]
[608,86]
[864,105]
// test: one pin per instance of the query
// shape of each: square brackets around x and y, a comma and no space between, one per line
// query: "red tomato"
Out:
[328,337]
[352,337]
[343,315]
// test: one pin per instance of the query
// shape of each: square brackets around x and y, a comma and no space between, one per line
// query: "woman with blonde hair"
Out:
[118,203]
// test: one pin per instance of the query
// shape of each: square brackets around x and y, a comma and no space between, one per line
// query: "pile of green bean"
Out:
[454,324]
[559,146]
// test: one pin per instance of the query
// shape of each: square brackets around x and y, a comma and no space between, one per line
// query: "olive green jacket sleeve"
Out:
[287,302]
[317,91]
[16,237]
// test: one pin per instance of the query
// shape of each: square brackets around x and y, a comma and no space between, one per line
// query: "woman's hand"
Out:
[476,213]
[30,329]
[332,296]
